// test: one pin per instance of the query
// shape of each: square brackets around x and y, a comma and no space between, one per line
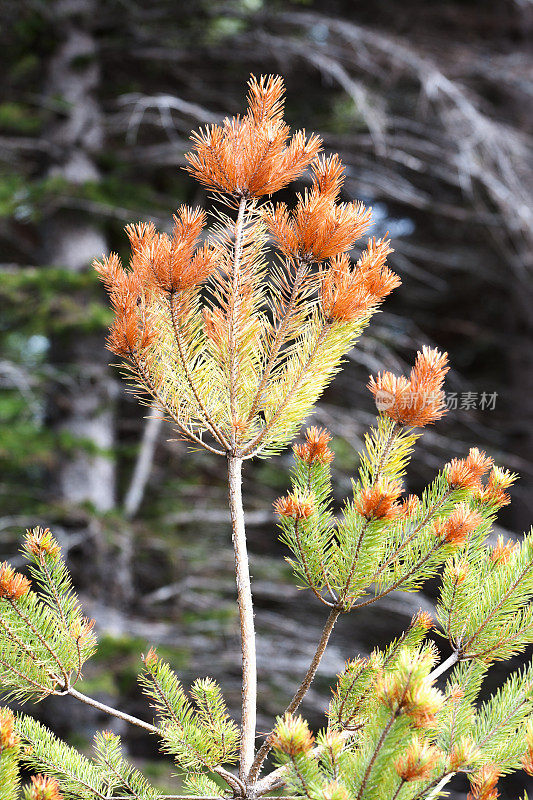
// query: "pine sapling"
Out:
[232,333]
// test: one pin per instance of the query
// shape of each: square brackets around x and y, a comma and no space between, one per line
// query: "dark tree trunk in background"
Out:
[81,404]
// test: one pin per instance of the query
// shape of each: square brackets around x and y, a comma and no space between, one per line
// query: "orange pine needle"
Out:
[466,473]
[44,788]
[418,401]
[459,525]
[503,550]
[484,783]
[380,501]
[319,227]
[295,505]
[8,737]
[315,447]
[13,585]
[252,156]
[40,541]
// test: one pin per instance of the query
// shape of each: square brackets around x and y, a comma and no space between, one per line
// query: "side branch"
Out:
[217,433]
[300,692]
[149,386]
[254,446]
[279,338]
[230,779]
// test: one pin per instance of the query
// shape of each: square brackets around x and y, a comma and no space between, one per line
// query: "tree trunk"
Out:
[81,405]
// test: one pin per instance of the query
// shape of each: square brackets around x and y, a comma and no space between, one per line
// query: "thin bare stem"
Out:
[143,465]
[449,662]
[114,712]
[399,789]
[300,692]
[246,615]
[435,786]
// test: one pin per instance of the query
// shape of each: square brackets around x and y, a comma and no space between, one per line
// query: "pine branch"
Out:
[211,425]
[300,692]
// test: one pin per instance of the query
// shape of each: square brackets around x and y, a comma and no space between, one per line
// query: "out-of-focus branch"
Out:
[143,465]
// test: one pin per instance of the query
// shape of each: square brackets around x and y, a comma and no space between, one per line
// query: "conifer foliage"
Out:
[232,332]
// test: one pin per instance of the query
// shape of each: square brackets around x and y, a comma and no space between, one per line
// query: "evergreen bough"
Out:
[235,350]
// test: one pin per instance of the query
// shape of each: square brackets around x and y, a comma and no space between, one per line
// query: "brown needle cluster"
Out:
[409,690]
[380,500]
[158,263]
[457,528]
[493,491]
[172,263]
[483,784]
[244,359]
[13,585]
[315,448]
[422,619]
[253,155]
[347,294]
[466,473]
[40,542]
[43,788]
[418,762]
[503,551]
[410,505]
[319,227]
[292,736]
[8,737]
[418,699]
[295,505]
[464,753]
[418,400]
[469,473]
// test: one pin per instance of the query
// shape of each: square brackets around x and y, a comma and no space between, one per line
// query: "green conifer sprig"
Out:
[485,603]
[344,558]
[79,777]
[200,735]
[401,703]
[119,775]
[499,723]
[198,783]
[354,697]
[310,538]
[44,637]
[456,719]
[387,451]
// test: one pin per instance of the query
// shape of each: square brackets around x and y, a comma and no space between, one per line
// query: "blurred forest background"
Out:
[429,104]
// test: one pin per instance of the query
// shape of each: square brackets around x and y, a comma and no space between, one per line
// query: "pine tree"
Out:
[235,351]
